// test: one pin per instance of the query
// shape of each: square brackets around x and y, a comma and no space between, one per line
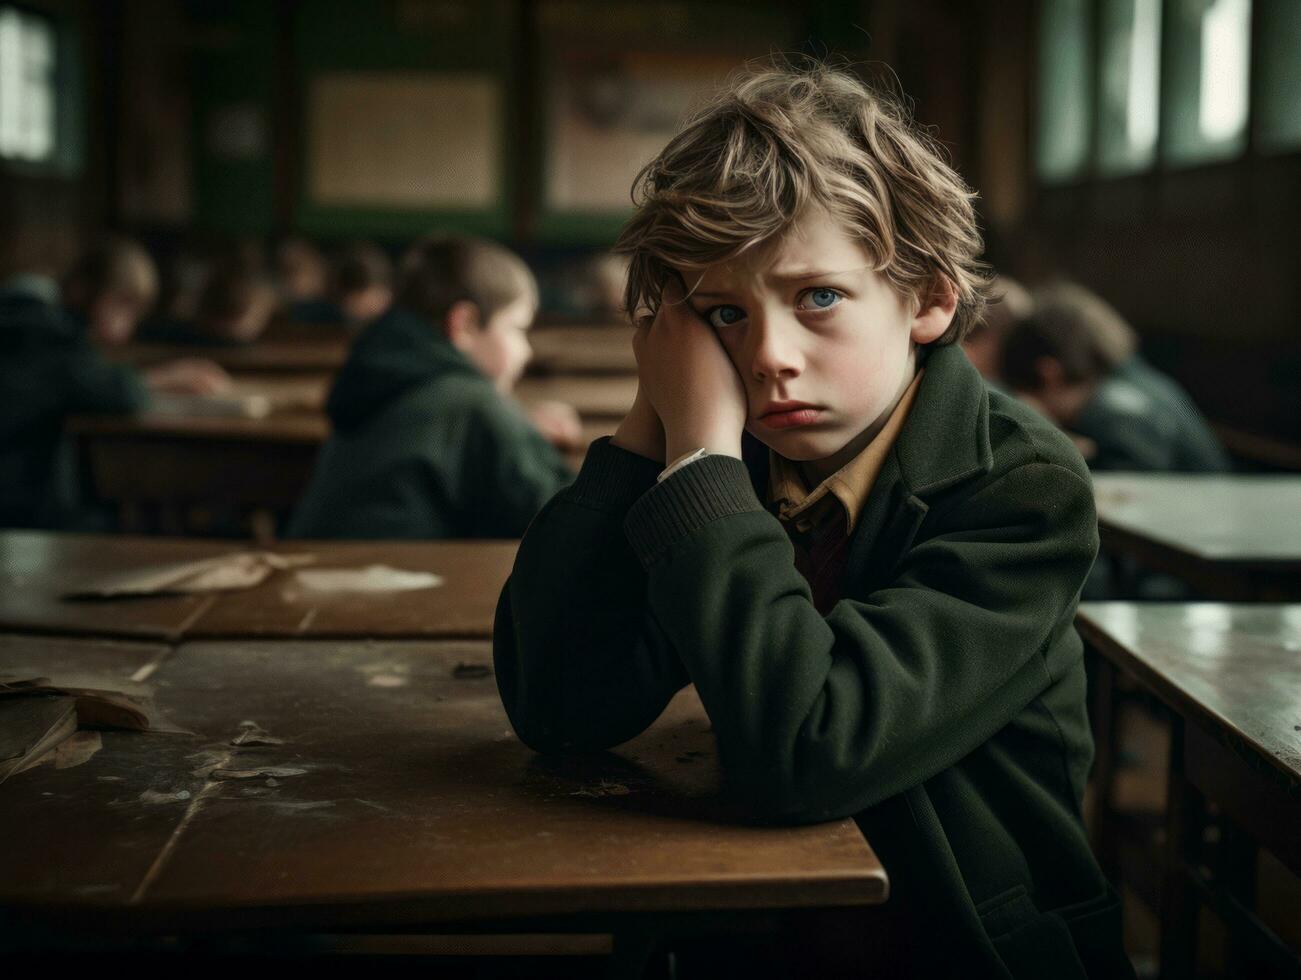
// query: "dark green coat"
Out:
[941,702]
[1142,420]
[49,369]
[424,446]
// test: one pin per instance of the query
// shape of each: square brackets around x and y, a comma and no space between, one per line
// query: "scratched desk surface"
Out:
[397,794]
[37,568]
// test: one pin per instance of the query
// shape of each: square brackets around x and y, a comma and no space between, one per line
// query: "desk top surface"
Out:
[1250,519]
[37,568]
[403,797]
[1234,668]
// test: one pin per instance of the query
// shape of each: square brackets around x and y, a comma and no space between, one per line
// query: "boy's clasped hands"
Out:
[689,394]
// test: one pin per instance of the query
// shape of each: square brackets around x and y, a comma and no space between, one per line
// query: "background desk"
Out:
[1230,537]
[1230,679]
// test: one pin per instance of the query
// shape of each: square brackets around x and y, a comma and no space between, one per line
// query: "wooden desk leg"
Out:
[1237,875]
[631,956]
[1105,739]
[1180,906]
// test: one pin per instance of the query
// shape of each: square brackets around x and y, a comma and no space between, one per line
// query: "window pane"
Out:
[27,93]
[1065,53]
[1209,57]
[1278,115]
[1127,113]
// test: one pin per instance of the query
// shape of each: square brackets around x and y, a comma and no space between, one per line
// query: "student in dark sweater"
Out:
[1075,359]
[427,441]
[51,367]
[865,561]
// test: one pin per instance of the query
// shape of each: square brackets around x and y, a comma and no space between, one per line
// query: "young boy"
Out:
[427,443]
[234,307]
[50,367]
[866,562]
[1009,304]
[1075,360]
[361,284]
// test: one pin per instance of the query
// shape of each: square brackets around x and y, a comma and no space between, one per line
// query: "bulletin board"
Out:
[608,116]
[405,140]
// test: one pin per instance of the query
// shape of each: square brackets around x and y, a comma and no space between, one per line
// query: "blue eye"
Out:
[724,316]
[823,299]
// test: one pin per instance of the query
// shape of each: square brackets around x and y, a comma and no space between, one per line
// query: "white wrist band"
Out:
[680,462]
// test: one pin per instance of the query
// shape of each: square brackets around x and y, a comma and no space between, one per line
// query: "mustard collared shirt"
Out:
[850,485]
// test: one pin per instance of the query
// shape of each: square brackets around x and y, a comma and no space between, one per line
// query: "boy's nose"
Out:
[776,352]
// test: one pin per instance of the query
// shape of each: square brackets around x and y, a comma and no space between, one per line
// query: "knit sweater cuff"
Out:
[613,478]
[716,486]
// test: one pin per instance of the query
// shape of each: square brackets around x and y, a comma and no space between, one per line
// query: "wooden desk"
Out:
[288,393]
[320,354]
[463,606]
[36,568]
[156,468]
[1230,677]
[582,350]
[416,807]
[594,396]
[1230,537]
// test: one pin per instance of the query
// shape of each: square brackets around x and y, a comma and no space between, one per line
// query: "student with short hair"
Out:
[51,367]
[817,513]
[1009,304]
[234,306]
[361,283]
[1075,359]
[427,442]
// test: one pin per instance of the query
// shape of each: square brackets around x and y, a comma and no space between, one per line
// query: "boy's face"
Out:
[113,317]
[824,345]
[501,349]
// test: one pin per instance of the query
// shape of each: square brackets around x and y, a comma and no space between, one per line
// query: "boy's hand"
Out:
[690,381]
[188,376]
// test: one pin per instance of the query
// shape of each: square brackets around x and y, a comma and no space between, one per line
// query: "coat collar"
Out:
[946,438]
[944,441]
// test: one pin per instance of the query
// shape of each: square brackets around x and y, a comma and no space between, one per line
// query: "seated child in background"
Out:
[50,367]
[302,282]
[427,442]
[234,306]
[1075,360]
[1009,304]
[361,284]
[867,562]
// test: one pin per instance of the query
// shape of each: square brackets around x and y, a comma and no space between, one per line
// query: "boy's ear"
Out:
[462,324]
[936,312]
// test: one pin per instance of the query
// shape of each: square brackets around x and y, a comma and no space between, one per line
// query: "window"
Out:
[1129,82]
[27,87]
[1065,90]
[1278,114]
[1208,61]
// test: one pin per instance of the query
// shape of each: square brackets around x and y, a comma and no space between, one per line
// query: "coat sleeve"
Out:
[95,385]
[820,717]
[579,663]
[518,470]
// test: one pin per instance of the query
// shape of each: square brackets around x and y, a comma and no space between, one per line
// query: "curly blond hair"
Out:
[778,139]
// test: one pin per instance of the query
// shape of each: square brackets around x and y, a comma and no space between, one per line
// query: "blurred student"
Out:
[427,441]
[234,307]
[361,284]
[51,367]
[1009,304]
[1075,360]
[302,281]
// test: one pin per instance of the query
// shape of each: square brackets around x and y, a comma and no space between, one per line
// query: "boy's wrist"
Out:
[643,439]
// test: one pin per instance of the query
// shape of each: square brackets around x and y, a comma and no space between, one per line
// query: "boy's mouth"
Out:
[788,415]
